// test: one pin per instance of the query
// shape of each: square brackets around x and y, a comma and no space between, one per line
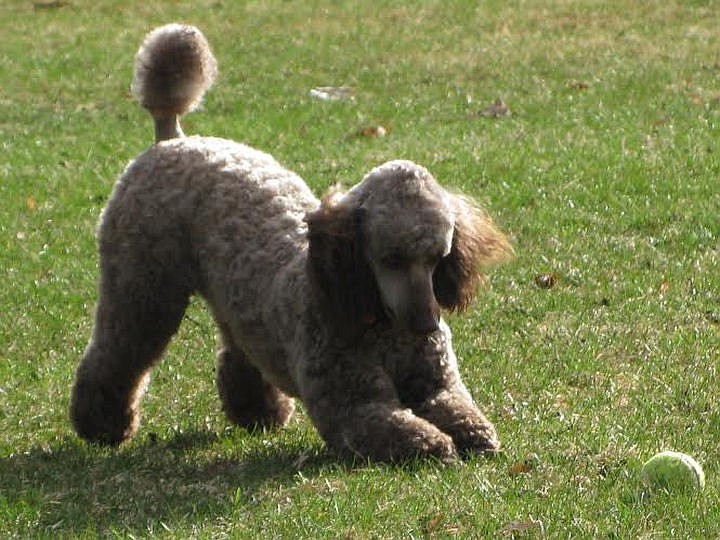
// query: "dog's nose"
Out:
[425,323]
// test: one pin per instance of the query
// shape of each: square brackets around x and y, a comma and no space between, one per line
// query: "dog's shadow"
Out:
[76,488]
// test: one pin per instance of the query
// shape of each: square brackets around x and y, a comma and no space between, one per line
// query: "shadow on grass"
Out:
[149,486]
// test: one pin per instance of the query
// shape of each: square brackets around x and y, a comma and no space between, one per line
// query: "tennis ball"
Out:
[672,471]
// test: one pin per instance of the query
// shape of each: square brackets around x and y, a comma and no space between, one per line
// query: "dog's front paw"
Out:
[426,443]
[393,436]
[455,414]
[475,437]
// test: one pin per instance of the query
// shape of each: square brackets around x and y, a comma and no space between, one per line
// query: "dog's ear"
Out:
[339,269]
[476,243]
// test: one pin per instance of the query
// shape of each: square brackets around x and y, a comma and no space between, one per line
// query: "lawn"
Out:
[594,348]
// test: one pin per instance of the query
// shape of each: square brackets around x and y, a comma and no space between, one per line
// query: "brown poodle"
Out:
[336,302]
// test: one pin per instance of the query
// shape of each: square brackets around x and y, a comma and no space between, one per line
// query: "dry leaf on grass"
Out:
[546,281]
[514,527]
[373,131]
[527,465]
[434,522]
[436,525]
[497,110]
[578,85]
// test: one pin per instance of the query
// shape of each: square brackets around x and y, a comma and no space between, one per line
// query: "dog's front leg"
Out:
[357,412]
[428,382]
[453,411]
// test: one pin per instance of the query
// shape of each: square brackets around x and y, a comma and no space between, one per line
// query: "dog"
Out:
[336,302]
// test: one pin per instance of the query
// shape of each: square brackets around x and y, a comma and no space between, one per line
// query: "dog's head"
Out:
[398,246]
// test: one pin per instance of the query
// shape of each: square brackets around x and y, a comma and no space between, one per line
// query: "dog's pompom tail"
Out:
[173,68]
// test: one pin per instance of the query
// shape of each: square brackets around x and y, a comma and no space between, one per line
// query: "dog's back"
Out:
[217,203]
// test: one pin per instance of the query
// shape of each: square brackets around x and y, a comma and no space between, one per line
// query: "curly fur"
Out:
[336,302]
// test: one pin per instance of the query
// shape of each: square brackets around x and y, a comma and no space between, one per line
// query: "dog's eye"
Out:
[394,261]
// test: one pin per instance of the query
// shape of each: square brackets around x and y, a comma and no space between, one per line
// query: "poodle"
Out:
[336,302]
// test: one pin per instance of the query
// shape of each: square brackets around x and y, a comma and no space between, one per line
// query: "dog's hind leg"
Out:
[140,308]
[248,400]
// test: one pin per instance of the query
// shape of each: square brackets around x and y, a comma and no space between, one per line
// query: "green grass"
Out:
[606,174]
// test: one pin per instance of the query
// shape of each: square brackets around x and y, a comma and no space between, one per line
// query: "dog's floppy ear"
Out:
[339,268]
[476,243]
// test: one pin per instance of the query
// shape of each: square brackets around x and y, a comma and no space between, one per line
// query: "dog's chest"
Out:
[416,364]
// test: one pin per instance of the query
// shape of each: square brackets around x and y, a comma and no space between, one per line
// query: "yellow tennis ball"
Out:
[672,471]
